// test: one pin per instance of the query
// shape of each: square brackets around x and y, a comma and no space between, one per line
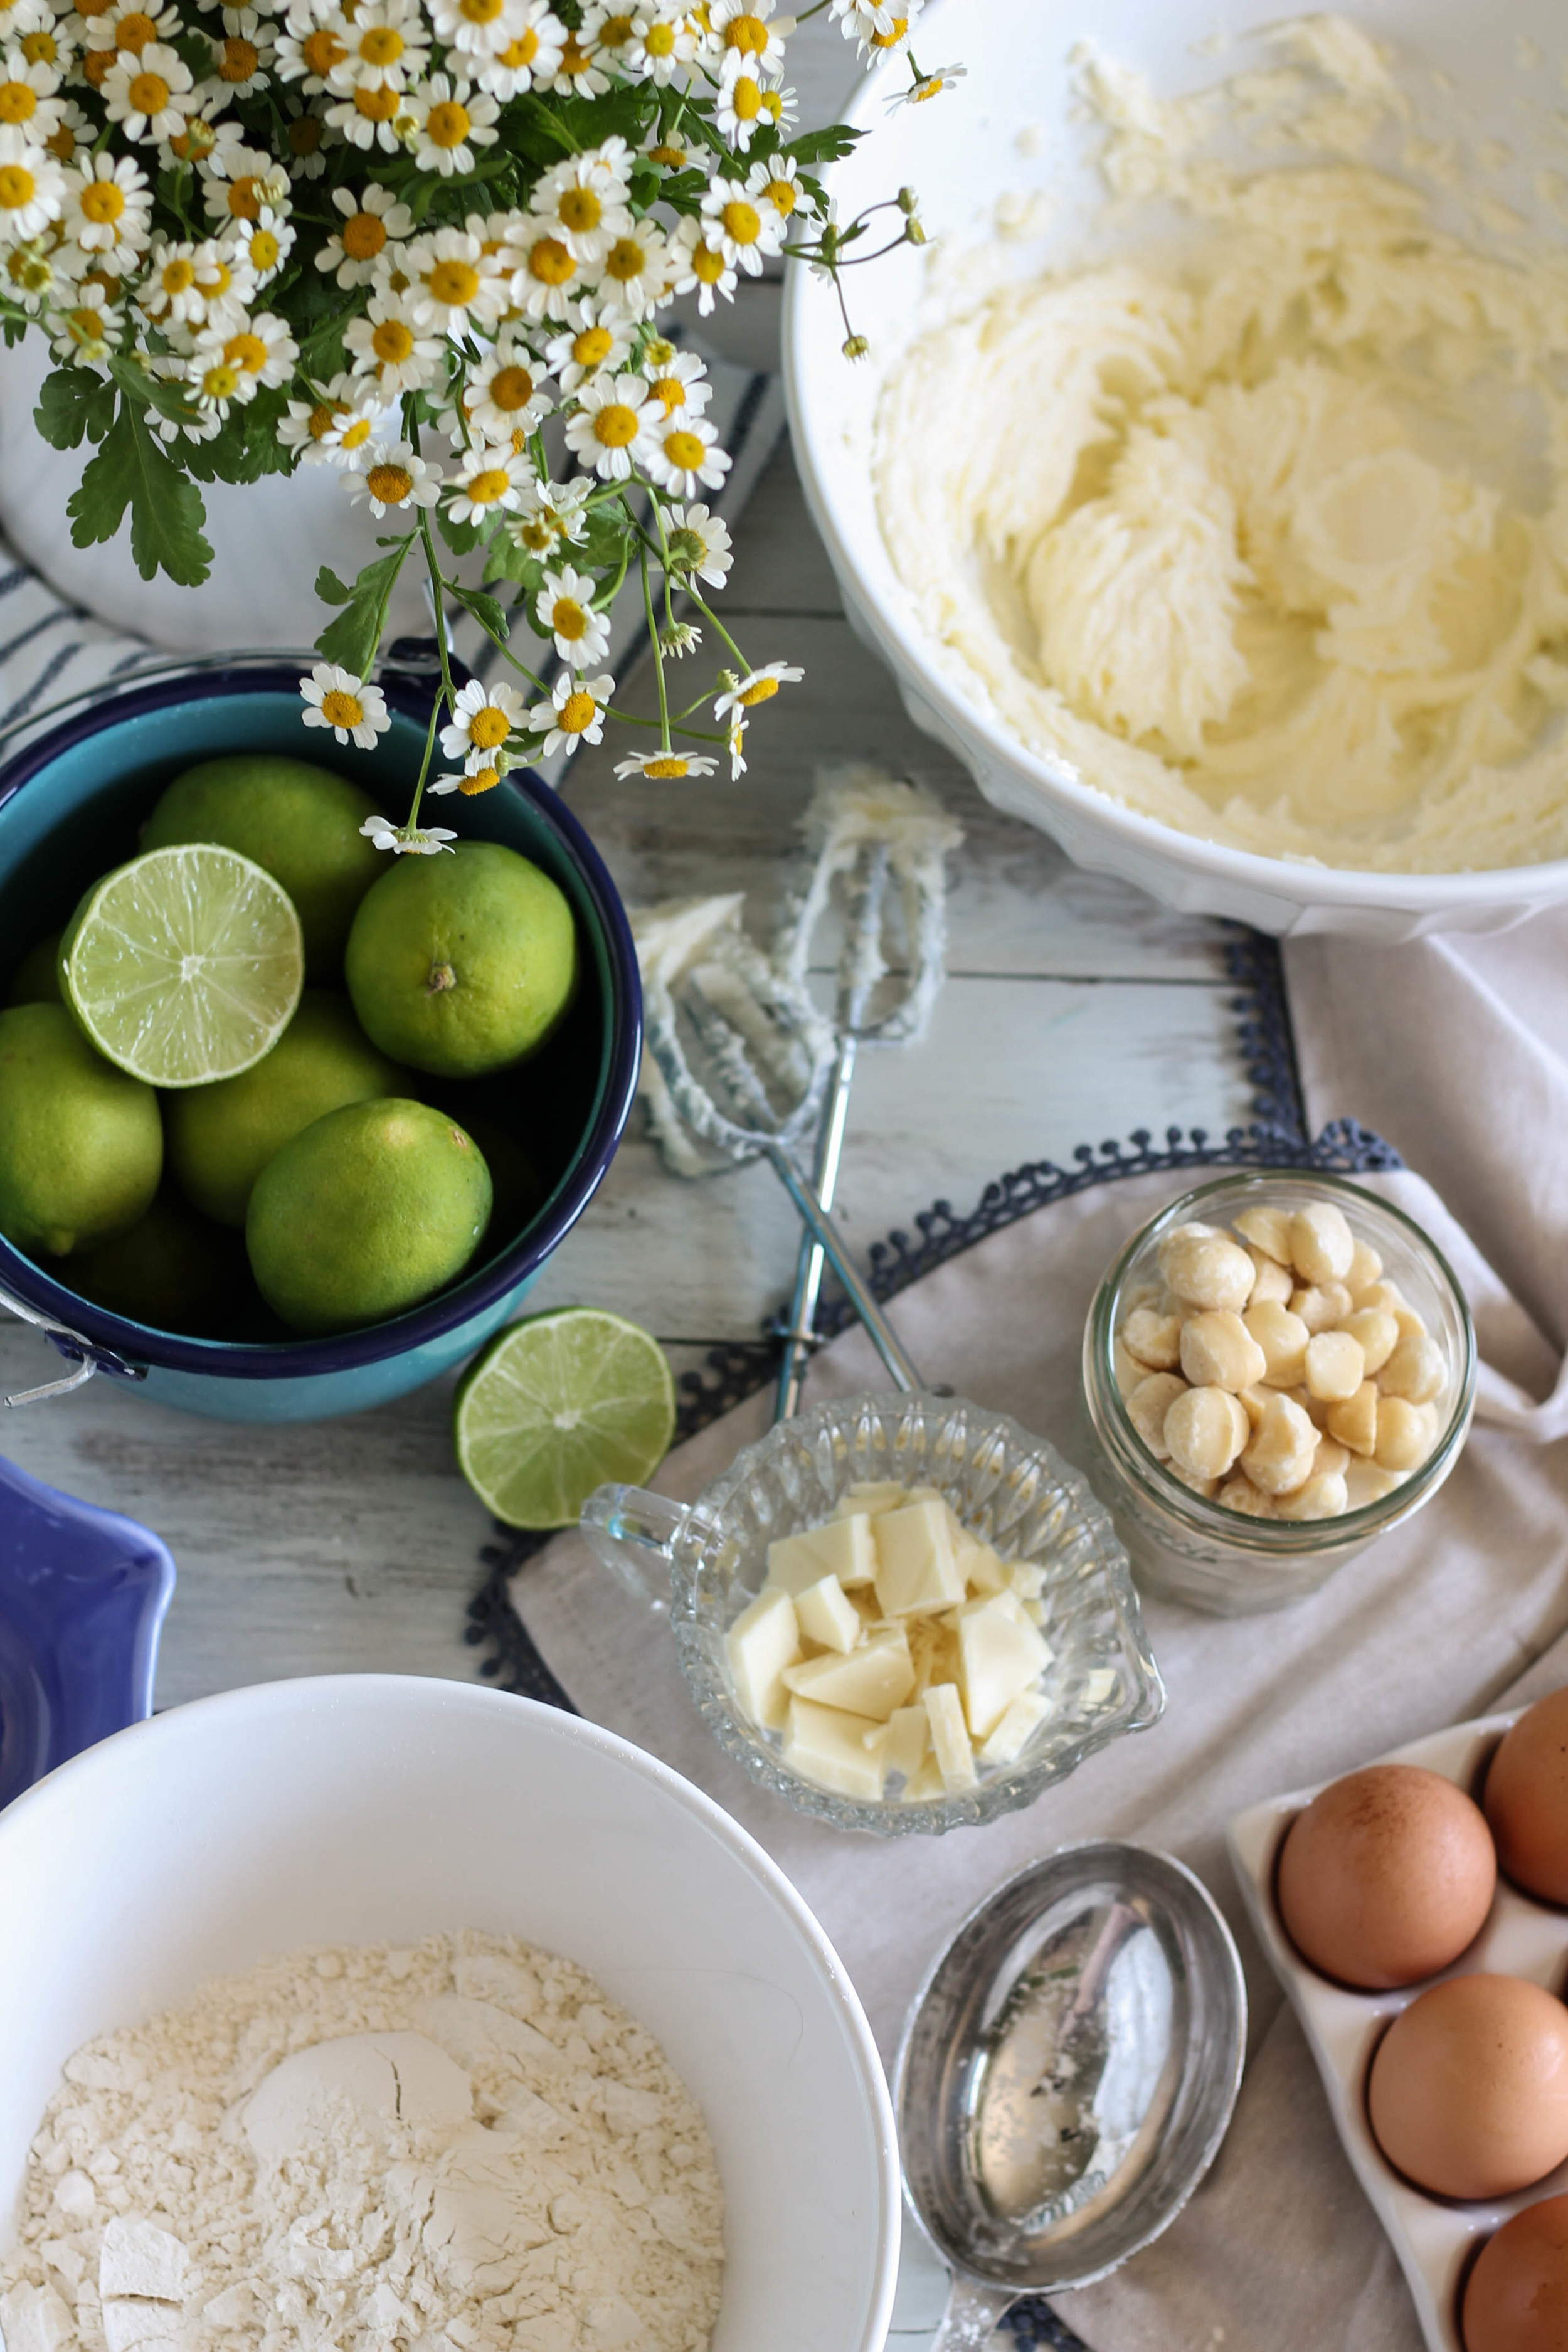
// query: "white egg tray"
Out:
[1434,2237]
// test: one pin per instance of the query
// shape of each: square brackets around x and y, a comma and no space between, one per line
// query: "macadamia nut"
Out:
[1205,1269]
[1321,1308]
[1269,1279]
[1283,1338]
[1375,1333]
[1268,1230]
[1205,1431]
[1278,1453]
[1335,1366]
[1405,1434]
[1322,1243]
[1149,1403]
[1415,1369]
[1218,1352]
[1156,1339]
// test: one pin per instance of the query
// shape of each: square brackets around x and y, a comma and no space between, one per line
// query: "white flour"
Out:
[447,2148]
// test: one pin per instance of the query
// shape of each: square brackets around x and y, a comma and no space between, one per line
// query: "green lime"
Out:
[557,1405]
[173,1271]
[37,979]
[364,1214]
[462,963]
[301,822]
[184,966]
[221,1137]
[80,1143]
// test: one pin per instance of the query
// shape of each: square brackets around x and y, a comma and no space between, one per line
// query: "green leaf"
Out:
[132,469]
[74,401]
[825,146]
[352,638]
[507,560]
[487,611]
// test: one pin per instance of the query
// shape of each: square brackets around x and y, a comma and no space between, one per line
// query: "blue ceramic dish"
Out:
[83,1595]
[71,807]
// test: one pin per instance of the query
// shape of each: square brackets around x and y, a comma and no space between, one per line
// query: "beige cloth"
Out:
[1278,2251]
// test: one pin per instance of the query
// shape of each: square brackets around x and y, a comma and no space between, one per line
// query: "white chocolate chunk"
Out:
[764,1640]
[949,1738]
[1013,1733]
[840,1548]
[1000,1654]
[825,1746]
[978,1564]
[927,1783]
[873,1494]
[905,1740]
[138,2258]
[825,1614]
[871,1681]
[1027,1577]
[916,1566]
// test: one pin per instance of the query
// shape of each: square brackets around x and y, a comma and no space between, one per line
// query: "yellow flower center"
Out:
[482,12]
[265,250]
[782,196]
[86,327]
[592,347]
[354,435]
[456,283]
[390,484]
[197,138]
[61,143]
[667,152]
[520,54]
[177,277]
[239,60]
[216,280]
[321,51]
[707,265]
[672,392]
[746,98]
[670,764]
[614,32]
[615,426]
[772,104]
[245,197]
[245,351]
[108,286]
[148,93]
[579,209]
[28,269]
[95,67]
[483,780]
[741,221]
[321,420]
[577,712]
[748,34]
[363,237]
[659,40]
[627,259]
[447,125]
[511,387]
[377,105]
[762,689]
[221,383]
[40,49]
[483,491]
[537,533]
[568,619]
[103,201]
[683,449]
[891,40]
[551,263]
[392,343]
[17,187]
[134,32]
[489,728]
[304,135]
[19,101]
[574,60]
[339,710]
[381,45]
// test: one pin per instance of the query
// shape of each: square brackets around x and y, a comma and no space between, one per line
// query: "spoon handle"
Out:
[973,2314]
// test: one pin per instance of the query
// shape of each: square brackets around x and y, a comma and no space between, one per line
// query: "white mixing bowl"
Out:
[363,1807]
[1005,131]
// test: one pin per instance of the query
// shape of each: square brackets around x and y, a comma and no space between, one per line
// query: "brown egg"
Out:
[1387,1876]
[1468,2090]
[1516,2298]
[1527,1800]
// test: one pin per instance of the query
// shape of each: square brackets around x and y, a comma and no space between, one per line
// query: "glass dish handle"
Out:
[634,1534]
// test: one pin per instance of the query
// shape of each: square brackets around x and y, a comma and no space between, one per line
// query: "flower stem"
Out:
[449,694]
[709,614]
[657,651]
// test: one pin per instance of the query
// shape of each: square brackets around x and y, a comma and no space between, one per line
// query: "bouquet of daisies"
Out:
[425,243]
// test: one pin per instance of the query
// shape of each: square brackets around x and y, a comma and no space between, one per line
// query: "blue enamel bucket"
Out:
[71,804]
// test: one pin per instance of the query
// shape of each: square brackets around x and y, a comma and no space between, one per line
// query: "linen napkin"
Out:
[1278,2251]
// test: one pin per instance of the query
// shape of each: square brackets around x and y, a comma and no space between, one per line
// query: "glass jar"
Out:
[1187,1548]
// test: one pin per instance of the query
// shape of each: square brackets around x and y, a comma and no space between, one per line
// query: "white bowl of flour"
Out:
[1206,487]
[355,1822]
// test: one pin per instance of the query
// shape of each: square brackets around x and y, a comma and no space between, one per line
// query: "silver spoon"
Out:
[1066,2075]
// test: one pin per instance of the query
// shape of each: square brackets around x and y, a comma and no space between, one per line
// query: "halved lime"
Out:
[185,965]
[557,1405]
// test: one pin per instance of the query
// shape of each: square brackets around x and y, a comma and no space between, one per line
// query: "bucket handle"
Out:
[85,1356]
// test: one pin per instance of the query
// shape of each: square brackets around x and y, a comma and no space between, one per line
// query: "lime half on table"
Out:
[558,1405]
[185,965]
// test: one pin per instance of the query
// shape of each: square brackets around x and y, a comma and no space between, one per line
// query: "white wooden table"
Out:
[1074,1011]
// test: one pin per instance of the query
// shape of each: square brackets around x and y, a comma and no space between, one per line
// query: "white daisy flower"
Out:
[743,224]
[545,270]
[595,340]
[198,138]
[51,41]
[218,385]
[662,42]
[243,56]
[189,285]
[677,379]
[696,540]
[479,28]
[742,102]
[454,285]
[742,694]
[556,515]
[876,26]
[930,85]
[108,210]
[575,712]
[679,638]
[564,606]
[781,107]
[86,332]
[611,427]
[306,423]
[19,16]
[385,47]
[583,200]
[27,95]
[355,711]
[453,119]
[776,180]
[482,778]
[506,394]
[127,27]
[357,422]
[150,95]
[385,343]
[488,482]
[263,244]
[610,29]
[369,117]
[237,181]
[700,264]
[420,841]
[532,56]
[737,750]
[32,186]
[262,349]
[667,767]
[742,30]
[310,48]
[393,477]
[373,221]
[579,72]
[32,276]
[483,717]
[304,134]
[634,274]
[72,131]
[683,455]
